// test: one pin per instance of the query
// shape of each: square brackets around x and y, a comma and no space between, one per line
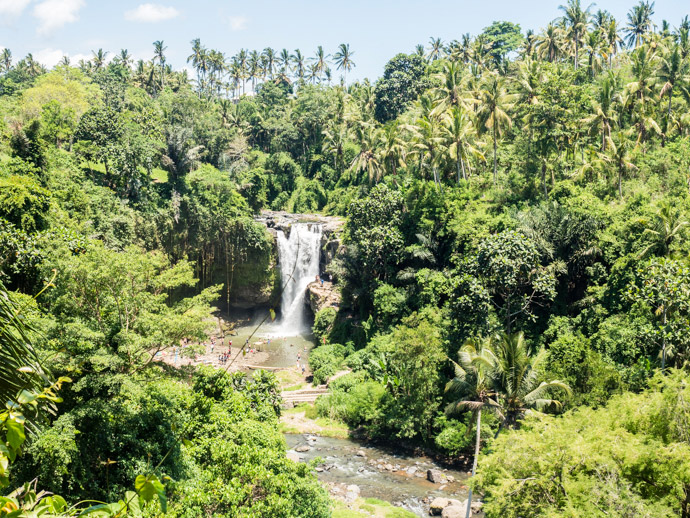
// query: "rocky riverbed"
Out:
[351,470]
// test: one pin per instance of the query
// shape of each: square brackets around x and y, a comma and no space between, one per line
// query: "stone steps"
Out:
[303,396]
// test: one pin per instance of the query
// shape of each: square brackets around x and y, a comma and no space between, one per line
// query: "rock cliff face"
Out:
[322,296]
[318,296]
[332,229]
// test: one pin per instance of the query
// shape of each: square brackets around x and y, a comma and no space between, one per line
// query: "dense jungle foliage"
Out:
[515,267]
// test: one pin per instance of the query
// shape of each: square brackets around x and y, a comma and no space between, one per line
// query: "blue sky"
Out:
[375,29]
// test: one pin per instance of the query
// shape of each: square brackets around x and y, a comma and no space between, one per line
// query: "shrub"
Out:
[323,323]
[325,360]
[454,438]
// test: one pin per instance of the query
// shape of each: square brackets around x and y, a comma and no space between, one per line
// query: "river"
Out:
[405,487]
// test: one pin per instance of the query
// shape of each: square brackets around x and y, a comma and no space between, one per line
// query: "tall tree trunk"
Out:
[543,178]
[495,146]
[620,183]
[663,342]
[474,462]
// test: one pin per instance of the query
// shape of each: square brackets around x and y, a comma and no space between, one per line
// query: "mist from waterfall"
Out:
[298,256]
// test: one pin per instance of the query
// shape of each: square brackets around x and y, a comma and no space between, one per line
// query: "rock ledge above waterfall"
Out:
[282,220]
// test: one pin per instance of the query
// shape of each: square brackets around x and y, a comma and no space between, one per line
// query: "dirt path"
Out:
[248,361]
[299,423]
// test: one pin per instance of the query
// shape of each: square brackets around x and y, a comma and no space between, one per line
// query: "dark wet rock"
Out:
[436,476]
[437,506]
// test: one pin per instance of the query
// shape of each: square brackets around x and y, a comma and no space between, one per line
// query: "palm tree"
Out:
[284,60]
[334,142]
[33,67]
[320,60]
[125,58]
[672,70]
[98,58]
[242,64]
[313,73]
[497,374]
[493,104]
[159,54]
[459,132]
[517,378]
[640,90]
[639,23]
[619,154]
[603,113]
[613,41]
[6,59]
[668,226]
[367,137]
[529,46]
[576,21]
[343,58]
[451,86]
[435,49]
[594,42]
[254,68]
[298,60]
[601,20]
[64,61]
[428,137]
[270,56]
[549,43]
[195,56]
[392,148]
[480,50]
[471,390]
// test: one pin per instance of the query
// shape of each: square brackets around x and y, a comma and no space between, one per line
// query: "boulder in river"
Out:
[455,511]
[437,506]
[411,470]
[294,457]
[360,453]
[434,475]
[302,449]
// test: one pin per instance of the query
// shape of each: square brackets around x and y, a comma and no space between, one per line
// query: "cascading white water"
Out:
[298,256]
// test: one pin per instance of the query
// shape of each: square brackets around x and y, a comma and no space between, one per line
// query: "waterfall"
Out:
[298,256]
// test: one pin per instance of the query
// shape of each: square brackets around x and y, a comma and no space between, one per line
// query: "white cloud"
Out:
[151,13]
[53,14]
[48,57]
[12,8]
[238,23]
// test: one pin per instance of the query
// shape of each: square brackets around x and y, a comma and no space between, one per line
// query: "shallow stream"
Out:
[406,487]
